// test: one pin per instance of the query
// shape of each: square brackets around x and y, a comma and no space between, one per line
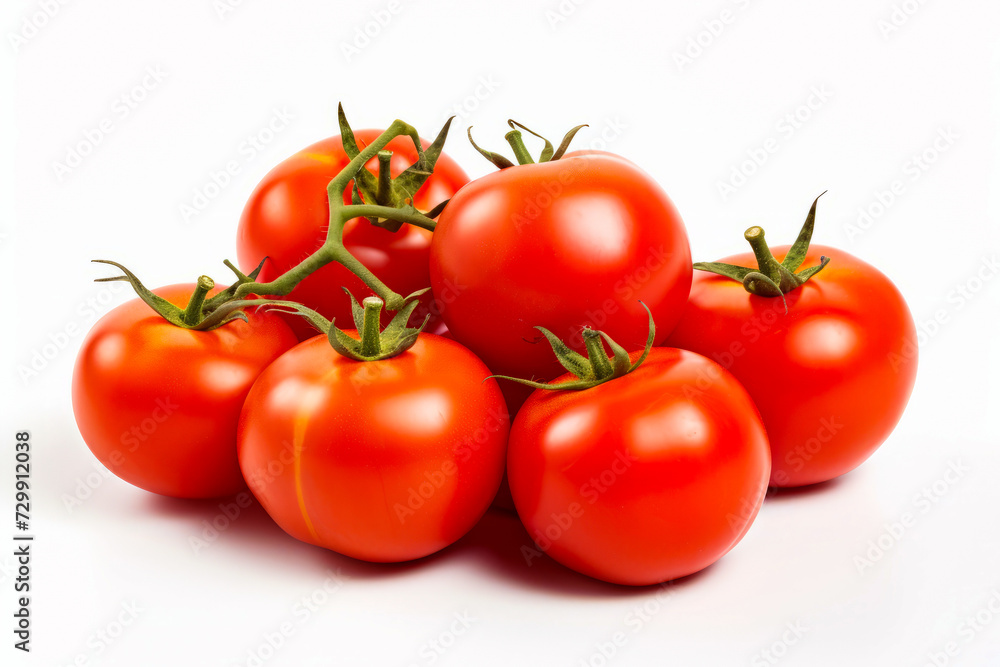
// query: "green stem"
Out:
[383,195]
[370,211]
[371,335]
[766,262]
[287,281]
[192,314]
[336,187]
[516,142]
[242,277]
[393,301]
[333,249]
[395,209]
[596,354]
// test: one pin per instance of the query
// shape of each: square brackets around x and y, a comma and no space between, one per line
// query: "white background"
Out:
[888,91]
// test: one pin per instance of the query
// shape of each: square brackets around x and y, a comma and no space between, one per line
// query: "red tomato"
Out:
[288,214]
[383,461]
[645,478]
[563,244]
[831,378]
[158,405]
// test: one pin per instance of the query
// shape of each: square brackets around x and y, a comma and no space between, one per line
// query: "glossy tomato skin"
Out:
[579,241]
[642,479]
[159,405]
[287,216]
[383,461]
[831,378]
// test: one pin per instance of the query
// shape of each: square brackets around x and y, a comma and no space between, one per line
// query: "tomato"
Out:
[644,478]
[383,461]
[562,244]
[831,377]
[158,404]
[287,216]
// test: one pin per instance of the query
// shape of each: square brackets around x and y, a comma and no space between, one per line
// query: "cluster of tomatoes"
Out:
[638,408]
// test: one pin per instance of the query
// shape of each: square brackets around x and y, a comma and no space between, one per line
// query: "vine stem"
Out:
[192,314]
[596,354]
[333,249]
[371,335]
[521,152]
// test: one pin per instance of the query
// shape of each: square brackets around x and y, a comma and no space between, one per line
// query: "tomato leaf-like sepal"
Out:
[382,189]
[201,313]
[521,152]
[499,161]
[547,152]
[167,310]
[772,278]
[227,294]
[566,140]
[372,343]
[414,176]
[797,253]
[595,368]
[572,361]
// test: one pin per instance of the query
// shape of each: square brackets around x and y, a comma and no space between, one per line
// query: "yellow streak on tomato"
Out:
[320,157]
[309,403]
[298,435]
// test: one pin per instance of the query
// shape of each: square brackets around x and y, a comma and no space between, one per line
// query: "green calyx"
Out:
[595,368]
[382,189]
[521,153]
[772,278]
[202,313]
[373,342]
